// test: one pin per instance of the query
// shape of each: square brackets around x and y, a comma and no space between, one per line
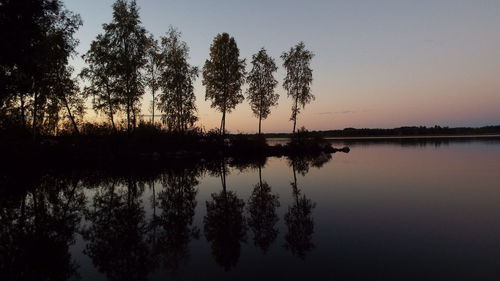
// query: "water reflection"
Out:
[262,210]
[177,202]
[37,229]
[133,223]
[116,234]
[299,220]
[224,224]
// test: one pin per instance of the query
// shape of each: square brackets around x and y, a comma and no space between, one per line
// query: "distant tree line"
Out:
[39,89]
[401,132]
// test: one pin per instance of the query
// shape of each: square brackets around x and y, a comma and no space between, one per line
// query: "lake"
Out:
[400,209]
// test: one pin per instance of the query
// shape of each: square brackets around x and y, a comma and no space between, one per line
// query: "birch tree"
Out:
[261,84]
[298,78]
[223,76]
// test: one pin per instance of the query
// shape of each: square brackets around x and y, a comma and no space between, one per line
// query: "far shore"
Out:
[398,137]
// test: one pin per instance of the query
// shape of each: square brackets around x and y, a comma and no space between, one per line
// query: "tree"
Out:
[40,36]
[129,44]
[177,99]
[117,59]
[99,72]
[69,96]
[261,84]
[298,78]
[153,72]
[223,76]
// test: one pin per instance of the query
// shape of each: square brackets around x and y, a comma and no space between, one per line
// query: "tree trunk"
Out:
[110,108]
[23,117]
[295,109]
[260,122]
[35,112]
[223,123]
[75,127]
[153,108]
[128,115]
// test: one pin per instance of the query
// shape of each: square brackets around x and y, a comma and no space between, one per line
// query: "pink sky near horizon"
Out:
[377,65]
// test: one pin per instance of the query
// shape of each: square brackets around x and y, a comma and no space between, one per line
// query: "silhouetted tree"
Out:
[103,83]
[121,52]
[299,222]
[177,99]
[225,225]
[177,202]
[40,36]
[223,76]
[298,78]
[261,84]
[69,96]
[153,72]
[262,221]
[129,44]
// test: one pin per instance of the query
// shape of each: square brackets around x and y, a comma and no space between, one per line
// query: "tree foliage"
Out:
[298,78]
[116,60]
[261,84]
[102,83]
[153,72]
[223,76]
[40,36]
[177,98]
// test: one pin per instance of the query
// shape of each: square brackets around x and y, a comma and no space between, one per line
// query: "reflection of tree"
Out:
[225,225]
[37,229]
[302,163]
[117,231]
[262,207]
[299,222]
[177,202]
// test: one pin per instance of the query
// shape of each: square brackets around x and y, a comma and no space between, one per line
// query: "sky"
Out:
[377,64]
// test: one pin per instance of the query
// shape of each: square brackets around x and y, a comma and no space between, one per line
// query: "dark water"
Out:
[388,210]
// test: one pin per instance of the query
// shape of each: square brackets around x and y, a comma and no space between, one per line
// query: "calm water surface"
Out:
[425,210]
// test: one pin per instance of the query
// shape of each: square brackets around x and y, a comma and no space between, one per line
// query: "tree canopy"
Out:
[223,76]
[298,78]
[261,84]
[177,99]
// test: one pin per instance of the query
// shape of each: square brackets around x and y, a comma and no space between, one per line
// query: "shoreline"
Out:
[399,137]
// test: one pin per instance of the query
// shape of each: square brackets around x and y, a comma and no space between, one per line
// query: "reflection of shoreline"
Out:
[416,137]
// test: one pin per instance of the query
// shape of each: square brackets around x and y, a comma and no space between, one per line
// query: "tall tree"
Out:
[69,96]
[261,84]
[177,98]
[102,82]
[129,44]
[298,78]
[223,76]
[122,48]
[153,72]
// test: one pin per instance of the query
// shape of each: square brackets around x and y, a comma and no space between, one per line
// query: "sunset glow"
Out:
[377,64]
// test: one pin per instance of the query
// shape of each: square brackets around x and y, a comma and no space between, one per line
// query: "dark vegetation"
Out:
[413,131]
[97,146]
